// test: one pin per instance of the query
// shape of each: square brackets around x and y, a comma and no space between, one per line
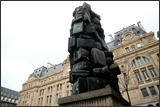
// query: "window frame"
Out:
[138,76]
[133,48]
[152,91]
[144,93]
[127,49]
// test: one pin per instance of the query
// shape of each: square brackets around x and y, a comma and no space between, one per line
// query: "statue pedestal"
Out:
[101,97]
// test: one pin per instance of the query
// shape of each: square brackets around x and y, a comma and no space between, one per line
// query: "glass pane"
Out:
[137,77]
[127,50]
[140,77]
[146,60]
[139,61]
[144,75]
[152,90]
[144,92]
[133,64]
[153,73]
[133,48]
[128,36]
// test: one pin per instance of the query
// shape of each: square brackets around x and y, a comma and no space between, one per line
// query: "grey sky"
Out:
[36,32]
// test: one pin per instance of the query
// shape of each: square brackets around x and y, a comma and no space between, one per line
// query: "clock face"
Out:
[128,36]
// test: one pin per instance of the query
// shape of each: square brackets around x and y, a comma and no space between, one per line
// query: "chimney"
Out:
[140,26]
[49,65]
[111,37]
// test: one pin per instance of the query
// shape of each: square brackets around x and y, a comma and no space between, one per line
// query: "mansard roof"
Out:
[117,35]
[43,71]
[133,28]
[9,92]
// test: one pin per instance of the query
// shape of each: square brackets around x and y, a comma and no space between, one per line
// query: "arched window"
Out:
[146,60]
[144,73]
[139,61]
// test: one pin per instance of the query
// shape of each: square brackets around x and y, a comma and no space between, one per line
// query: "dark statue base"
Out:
[101,97]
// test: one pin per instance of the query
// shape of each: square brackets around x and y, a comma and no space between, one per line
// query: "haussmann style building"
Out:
[137,54]
[9,97]
[135,51]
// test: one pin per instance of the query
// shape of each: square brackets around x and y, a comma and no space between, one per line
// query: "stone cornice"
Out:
[136,38]
[135,51]
[48,83]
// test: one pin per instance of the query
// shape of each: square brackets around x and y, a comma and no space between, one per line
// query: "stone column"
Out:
[45,97]
[64,89]
[54,95]
[30,99]
[35,98]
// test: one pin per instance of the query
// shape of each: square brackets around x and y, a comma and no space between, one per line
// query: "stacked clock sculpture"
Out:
[92,65]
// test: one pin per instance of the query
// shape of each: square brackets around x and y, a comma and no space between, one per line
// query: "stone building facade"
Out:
[45,85]
[137,54]
[135,51]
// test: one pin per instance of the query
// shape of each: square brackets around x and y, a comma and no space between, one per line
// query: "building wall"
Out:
[149,50]
[43,91]
[36,91]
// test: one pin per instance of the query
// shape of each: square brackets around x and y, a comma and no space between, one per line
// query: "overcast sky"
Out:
[36,32]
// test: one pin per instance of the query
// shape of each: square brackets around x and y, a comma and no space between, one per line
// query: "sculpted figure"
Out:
[92,65]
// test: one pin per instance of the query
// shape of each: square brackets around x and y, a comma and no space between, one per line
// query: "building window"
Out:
[48,89]
[69,69]
[152,71]
[41,82]
[139,61]
[122,67]
[56,97]
[133,64]
[138,76]
[60,95]
[126,79]
[61,75]
[60,86]
[139,45]
[41,100]
[44,81]
[2,97]
[145,74]
[158,86]
[127,50]
[133,47]
[57,76]
[67,93]
[144,92]
[146,60]
[128,37]
[57,87]
[40,92]
[50,99]
[152,90]
[47,99]
[8,95]
[53,78]
[49,79]
[138,32]
[51,89]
